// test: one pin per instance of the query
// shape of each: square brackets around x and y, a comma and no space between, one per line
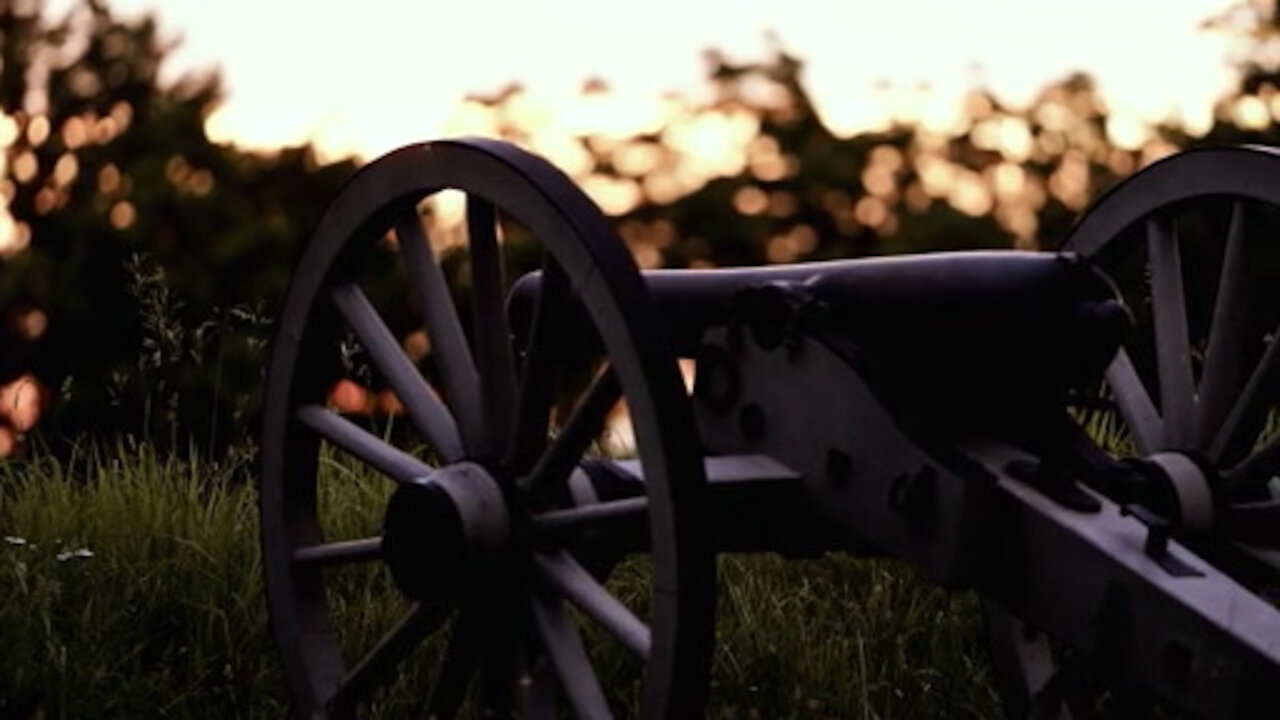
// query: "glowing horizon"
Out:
[364,80]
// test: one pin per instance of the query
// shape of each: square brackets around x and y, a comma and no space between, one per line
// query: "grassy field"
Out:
[130,586]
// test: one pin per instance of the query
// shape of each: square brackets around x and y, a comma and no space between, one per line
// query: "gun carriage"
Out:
[924,408]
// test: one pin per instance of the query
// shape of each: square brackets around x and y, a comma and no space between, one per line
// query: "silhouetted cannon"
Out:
[923,408]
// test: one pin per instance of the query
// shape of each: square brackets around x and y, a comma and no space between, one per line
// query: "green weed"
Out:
[131,586]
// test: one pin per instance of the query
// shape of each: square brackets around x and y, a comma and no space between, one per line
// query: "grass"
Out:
[840,637]
[130,586]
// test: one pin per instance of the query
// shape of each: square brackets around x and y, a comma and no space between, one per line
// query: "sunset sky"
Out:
[361,78]
[366,77]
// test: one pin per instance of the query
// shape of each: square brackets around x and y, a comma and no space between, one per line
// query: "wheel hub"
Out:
[1184,488]
[443,532]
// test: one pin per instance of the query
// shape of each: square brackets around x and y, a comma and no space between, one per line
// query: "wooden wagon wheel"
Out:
[1190,243]
[475,537]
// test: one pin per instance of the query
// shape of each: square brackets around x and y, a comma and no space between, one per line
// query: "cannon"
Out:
[573,412]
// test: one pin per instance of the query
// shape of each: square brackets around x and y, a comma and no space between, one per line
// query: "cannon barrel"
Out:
[979,292]
[977,333]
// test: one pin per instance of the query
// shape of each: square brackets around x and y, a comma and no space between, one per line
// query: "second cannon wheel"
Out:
[1191,245]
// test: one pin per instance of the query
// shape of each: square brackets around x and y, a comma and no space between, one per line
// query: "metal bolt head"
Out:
[839,467]
[751,423]
[914,496]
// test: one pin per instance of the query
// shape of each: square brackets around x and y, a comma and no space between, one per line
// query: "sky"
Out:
[363,78]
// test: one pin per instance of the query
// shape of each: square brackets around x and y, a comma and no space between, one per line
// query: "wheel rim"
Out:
[1214,375]
[1219,413]
[1197,383]
[490,410]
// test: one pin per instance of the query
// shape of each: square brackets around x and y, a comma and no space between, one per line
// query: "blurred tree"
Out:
[803,192]
[139,258]
[753,176]
[1248,113]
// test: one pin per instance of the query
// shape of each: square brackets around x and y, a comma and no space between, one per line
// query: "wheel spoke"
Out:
[535,682]
[498,677]
[584,425]
[1173,343]
[449,350]
[544,338]
[1238,431]
[461,660]
[340,553]
[569,658]
[429,415]
[1256,522]
[393,462]
[492,329]
[1261,465]
[1134,403]
[1224,358]
[379,665]
[566,576]
[586,516]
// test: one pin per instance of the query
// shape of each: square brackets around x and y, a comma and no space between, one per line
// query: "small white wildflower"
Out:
[15,540]
[66,555]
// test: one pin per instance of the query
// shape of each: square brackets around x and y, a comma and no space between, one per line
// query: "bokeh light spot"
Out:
[123,215]
[1251,113]
[75,133]
[31,324]
[870,211]
[750,200]
[109,179]
[38,130]
[25,167]
[417,345]
[351,398]
[21,401]
[66,169]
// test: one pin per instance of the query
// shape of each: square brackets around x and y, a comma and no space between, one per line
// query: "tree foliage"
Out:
[141,261]
[140,258]
[791,190]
